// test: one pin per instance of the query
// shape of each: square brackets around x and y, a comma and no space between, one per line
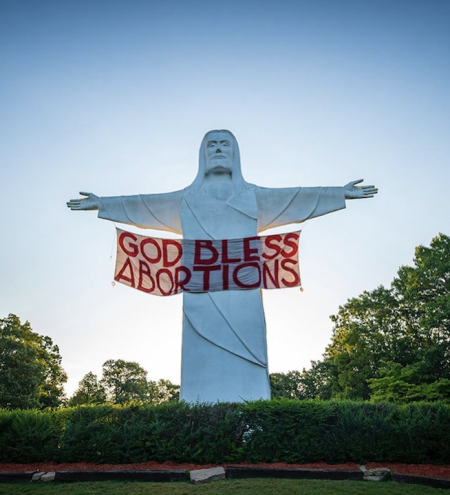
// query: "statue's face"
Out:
[219,153]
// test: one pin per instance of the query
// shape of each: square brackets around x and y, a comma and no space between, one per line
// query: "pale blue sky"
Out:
[114,97]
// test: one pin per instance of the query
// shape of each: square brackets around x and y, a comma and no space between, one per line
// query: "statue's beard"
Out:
[219,166]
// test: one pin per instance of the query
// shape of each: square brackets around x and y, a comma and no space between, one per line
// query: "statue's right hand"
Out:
[92,202]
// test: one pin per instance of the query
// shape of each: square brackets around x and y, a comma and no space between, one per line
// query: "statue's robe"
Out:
[224,348]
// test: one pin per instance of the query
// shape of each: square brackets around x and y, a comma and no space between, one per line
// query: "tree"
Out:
[367,332]
[405,384]
[319,382]
[285,385]
[89,391]
[308,384]
[393,343]
[30,367]
[124,381]
[163,391]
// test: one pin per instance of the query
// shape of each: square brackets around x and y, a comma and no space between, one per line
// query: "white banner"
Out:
[164,267]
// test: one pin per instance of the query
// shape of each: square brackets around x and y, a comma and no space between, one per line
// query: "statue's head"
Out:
[219,154]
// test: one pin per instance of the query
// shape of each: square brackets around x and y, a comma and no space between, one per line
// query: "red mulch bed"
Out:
[417,469]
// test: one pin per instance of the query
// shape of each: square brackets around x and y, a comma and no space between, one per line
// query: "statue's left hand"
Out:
[92,202]
[352,191]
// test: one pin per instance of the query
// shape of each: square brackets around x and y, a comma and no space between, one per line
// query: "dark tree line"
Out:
[390,344]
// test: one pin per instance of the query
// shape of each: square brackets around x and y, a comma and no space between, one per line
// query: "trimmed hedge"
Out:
[266,431]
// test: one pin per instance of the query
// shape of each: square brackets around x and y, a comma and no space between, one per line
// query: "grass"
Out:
[225,487]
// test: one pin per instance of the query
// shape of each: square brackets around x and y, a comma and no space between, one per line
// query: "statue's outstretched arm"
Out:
[92,202]
[147,211]
[352,191]
[282,206]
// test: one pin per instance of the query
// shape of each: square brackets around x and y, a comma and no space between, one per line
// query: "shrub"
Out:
[265,431]
[29,435]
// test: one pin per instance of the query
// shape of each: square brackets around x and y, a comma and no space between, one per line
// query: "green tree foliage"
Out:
[285,385]
[89,391]
[124,381]
[163,391]
[30,367]
[406,384]
[393,343]
[390,344]
[314,383]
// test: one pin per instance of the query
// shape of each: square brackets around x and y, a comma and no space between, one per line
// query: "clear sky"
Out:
[114,97]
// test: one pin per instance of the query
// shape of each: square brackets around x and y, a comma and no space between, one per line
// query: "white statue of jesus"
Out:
[224,349]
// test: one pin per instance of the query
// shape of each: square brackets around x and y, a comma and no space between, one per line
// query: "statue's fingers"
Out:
[354,182]
[367,187]
[85,193]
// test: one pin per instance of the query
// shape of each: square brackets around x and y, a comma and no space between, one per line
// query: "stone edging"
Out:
[205,475]
[16,477]
[421,480]
[299,473]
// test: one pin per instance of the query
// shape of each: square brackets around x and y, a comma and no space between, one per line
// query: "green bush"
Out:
[265,431]
[89,435]
[181,433]
[286,430]
[29,435]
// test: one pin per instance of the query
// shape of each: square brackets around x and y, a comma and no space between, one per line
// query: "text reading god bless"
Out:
[167,266]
